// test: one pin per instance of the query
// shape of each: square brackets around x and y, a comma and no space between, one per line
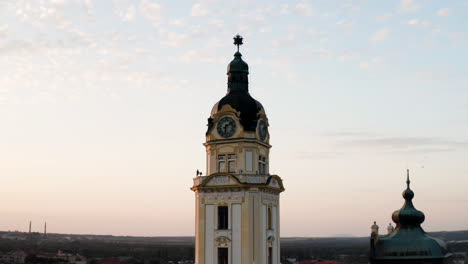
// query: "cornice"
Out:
[237,140]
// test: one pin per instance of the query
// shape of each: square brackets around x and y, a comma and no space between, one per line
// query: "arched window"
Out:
[269,219]
[223,255]
[223,217]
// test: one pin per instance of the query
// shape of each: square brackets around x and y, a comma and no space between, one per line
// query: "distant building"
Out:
[15,236]
[13,257]
[407,242]
[237,202]
[459,258]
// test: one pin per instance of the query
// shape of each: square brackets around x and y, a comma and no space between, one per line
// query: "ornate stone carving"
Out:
[253,178]
[270,199]
[270,241]
[274,183]
[220,181]
[222,241]
[222,197]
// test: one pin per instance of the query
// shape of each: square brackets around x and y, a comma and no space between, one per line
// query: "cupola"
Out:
[238,96]
[408,242]
[408,216]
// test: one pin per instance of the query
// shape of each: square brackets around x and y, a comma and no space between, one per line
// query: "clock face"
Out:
[226,127]
[262,129]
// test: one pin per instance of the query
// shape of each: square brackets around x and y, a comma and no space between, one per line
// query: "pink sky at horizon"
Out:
[103,108]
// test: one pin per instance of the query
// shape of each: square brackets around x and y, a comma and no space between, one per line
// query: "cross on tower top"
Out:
[238,41]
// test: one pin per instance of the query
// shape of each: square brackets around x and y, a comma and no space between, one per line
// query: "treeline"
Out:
[350,250]
[183,251]
[99,249]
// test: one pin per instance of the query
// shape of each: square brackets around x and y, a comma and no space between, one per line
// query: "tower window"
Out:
[270,255]
[269,219]
[221,163]
[231,163]
[249,161]
[223,217]
[222,255]
[262,164]
[227,163]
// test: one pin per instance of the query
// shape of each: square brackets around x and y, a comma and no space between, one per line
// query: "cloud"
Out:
[173,39]
[152,11]
[409,6]
[39,14]
[407,143]
[284,42]
[57,2]
[347,26]
[395,144]
[384,17]
[217,23]
[352,5]
[443,12]
[339,134]
[4,30]
[418,23]
[309,155]
[205,56]
[371,63]
[129,14]
[285,9]
[199,9]
[303,8]
[126,13]
[342,144]
[348,56]
[380,35]
[177,22]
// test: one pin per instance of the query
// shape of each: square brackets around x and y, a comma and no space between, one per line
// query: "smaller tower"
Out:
[45,229]
[408,243]
[29,228]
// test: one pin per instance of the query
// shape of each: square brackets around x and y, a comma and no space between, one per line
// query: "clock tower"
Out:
[237,202]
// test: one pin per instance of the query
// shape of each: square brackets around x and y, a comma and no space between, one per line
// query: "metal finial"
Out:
[407,178]
[238,41]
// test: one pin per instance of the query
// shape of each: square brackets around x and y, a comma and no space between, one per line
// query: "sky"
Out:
[104,106]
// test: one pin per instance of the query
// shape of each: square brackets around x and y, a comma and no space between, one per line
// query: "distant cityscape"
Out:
[42,247]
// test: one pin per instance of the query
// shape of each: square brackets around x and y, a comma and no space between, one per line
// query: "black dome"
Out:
[242,102]
[238,96]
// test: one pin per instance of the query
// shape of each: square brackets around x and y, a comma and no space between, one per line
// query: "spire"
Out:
[408,194]
[407,179]
[238,70]
[408,215]
[238,41]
